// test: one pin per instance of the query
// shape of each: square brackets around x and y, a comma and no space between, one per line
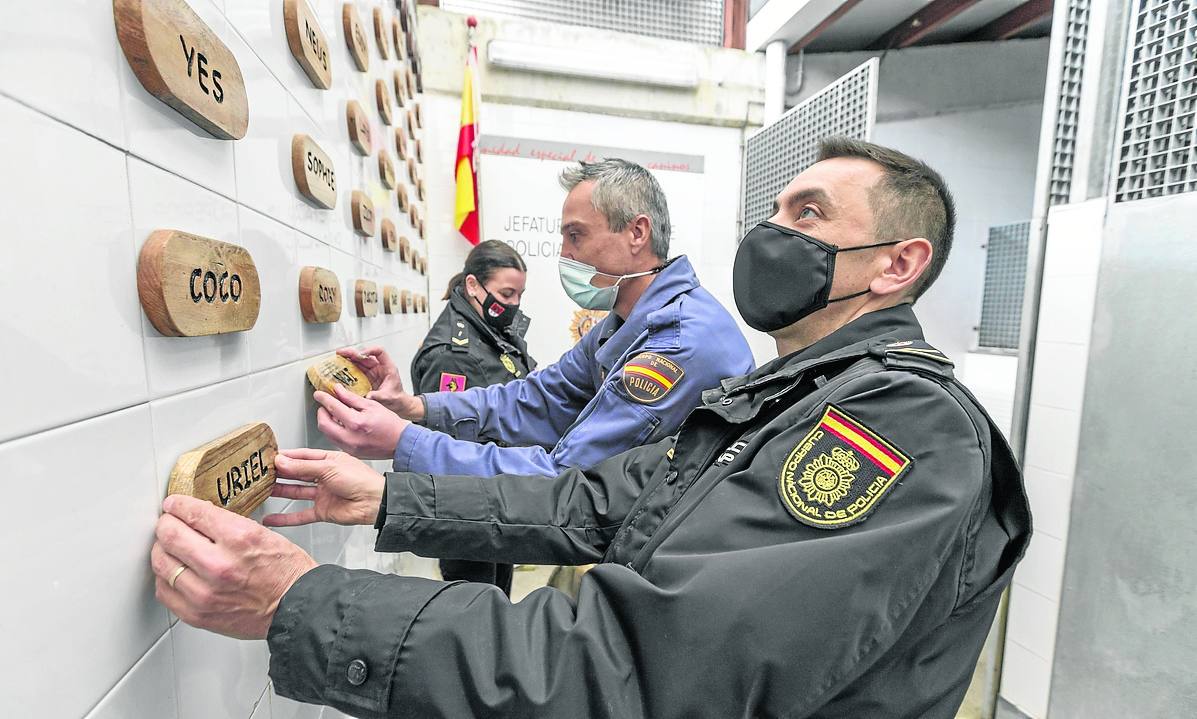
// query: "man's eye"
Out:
[804,216]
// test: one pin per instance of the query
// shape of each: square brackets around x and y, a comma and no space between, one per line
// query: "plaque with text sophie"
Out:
[363,214]
[365,298]
[178,59]
[355,37]
[235,471]
[336,370]
[319,295]
[314,173]
[308,43]
[359,127]
[191,286]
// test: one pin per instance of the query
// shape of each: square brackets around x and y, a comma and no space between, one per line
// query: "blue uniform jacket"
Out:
[626,383]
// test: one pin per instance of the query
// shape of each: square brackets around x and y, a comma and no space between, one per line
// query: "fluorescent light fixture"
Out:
[617,66]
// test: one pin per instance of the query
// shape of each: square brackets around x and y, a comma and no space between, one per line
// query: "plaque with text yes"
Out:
[336,370]
[234,472]
[179,60]
[191,286]
[319,295]
[307,42]
[314,173]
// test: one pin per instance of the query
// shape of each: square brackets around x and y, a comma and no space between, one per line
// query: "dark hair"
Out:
[483,260]
[910,200]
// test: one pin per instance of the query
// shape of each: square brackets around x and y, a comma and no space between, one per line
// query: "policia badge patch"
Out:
[648,377]
[839,472]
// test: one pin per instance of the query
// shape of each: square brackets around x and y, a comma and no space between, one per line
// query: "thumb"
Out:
[203,516]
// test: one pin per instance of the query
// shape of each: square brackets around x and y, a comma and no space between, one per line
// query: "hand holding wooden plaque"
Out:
[235,471]
[334,370]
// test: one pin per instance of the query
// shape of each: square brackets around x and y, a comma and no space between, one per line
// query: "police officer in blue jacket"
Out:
[630,381]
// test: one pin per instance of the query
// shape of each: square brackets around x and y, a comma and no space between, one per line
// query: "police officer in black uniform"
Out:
[477,341]
[828,536]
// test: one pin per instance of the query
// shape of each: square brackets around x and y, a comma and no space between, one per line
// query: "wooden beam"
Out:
[1013,22]
[914,28]
[735,23]
[819,29]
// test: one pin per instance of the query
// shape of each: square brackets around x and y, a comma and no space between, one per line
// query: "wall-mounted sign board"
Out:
[380,35]
[411,123]
[179,60]
[390,241]
[386,170]
[235,471]
[365,298]
[419,151]
[401,198]
[308,43]
[406,303]
[423,265]
[314,173]
[400,143]
[414,261]
[363,214]
[401,11]
[359,127]
[411,83]
[390,300]
[319,295]
[420,189]
[334,370]
[355,37]
[419,115]
[420,229]
[411,167]
[399,80]
[383,98]
[191,286]
[404,249]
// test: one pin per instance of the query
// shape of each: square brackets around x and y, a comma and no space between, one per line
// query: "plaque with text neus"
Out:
[386,170]
[390,300]
[365,298]
[401,198]
[179,60]
[399,80]
[404,249]
[319,295]
[191,286]
[355,37]
[359,127]
[380,35]
[363,214]
[406,303]
[235,471]
[307,42]
[314,173]
[382,96]
[336,370]
[390,241]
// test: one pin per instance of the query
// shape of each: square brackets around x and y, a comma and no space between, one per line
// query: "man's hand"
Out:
[236,570]
[344,489]
[361,427]
[384,377]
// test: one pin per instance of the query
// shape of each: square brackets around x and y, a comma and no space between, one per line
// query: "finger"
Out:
[166,566]
[360,359]
[336,408]
[184,545]
[352,400]
[304,453]
[337,434]
[288,466]
[305,492]
[291,519]
[204,517]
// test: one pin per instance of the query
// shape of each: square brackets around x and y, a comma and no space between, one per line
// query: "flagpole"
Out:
[472,50]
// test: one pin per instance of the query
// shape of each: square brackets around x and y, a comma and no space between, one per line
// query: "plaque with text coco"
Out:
[308,43]
[380,35]
[390,300]
[336,370]
[363,214]
[235,471]
[179,60]
[319,295]
[382,97]
[355,37]
[191,286]
[390,241]
[359,127]
[314,173]
[365,298]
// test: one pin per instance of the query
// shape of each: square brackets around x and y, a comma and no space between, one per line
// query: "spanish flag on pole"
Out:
[466,210]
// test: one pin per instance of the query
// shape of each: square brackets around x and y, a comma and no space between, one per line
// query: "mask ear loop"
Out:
[866,290]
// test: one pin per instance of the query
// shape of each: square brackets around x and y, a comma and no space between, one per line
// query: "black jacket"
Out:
[828,536]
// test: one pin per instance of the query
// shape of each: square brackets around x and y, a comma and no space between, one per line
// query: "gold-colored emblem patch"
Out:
[648,377]
[509,364]
[839,472]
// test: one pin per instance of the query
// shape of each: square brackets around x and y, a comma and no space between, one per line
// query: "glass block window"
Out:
[1005,277]
[1155,154]
[695,21]
[778,152]
[1072,65]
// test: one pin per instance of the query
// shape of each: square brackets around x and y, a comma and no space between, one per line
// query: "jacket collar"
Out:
[616,335]
[461,304]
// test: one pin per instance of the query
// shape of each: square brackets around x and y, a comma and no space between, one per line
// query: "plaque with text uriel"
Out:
[235,471]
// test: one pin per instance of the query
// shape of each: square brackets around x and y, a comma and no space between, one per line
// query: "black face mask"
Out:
[498,315]
[782,275]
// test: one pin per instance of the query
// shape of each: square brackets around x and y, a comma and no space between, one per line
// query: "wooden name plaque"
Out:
[420,229]
[363,214]
[401,198]
[421,304]
[411,167]
[399,80]
[380,35]
[359,127]
[401,143]
[314,173]
[365,298]
[355,37]
[336,370]
[419,151]
[398,38]
[386,170]
[319,295]
[420,189]
[418,113]
[307,42]
[390,243]
[179,60]
[390,300]
[413,215]
[411,84]
[383,97]
[415,259]
[235,471]
[191,286]
[411,123]
[404,249]
[423,265]
[406,305]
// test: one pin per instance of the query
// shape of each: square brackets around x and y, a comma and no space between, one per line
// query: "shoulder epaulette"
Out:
[459,341]
[915,355]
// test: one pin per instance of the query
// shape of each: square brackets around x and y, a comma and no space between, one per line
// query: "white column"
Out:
[775,80]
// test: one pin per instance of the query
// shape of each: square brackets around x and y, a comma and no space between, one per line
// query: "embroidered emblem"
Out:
[649,376]
[839,472]
[509,364]
[452,382]
[495,309]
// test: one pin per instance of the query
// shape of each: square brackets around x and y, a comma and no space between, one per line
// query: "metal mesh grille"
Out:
[775,154]
[1156,147]
[1071,69]
[696,21]
[1005,275]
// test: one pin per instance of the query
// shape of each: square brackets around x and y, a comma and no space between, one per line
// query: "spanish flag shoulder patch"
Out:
[648,377]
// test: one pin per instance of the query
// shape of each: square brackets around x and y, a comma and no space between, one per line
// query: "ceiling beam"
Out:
[819,29]
[922,23]
[1013,22]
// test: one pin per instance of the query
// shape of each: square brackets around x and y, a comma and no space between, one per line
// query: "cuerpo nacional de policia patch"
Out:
[839,472]
[648,377]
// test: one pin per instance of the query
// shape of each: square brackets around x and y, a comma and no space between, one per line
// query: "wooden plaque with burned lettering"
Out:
[411,169]
[406,305]
[400,143]
[382,96]
[359,127]
[420,189]
[191,286]
[390,300]
[386,170]
[355,37]
[308,43]
[399,38]
[399,80]
[336,370]
[363,214]
[314,173]
[319,295]
[380,35]
[420,229]
[410,121]
[365,298]
[390,241]
[404,249]
[178,59]
[234,472]
[401,198]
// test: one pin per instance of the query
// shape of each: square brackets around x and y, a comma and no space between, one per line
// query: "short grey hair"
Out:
[623,190]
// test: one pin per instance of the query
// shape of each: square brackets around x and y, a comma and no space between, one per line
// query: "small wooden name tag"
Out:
[355,37]
[389,237]
[401,198]
[359,127]
[411,84]
[314,173]
[319,295]
[383,97]
[235,471]
[307,42]
[420,189]
[423,265]
[400,144]
[179,60]
[363,214]
[336,370]
[386,170]
[419,151]
[415,259]
[380,35]
[191,286]
[404,249]
[365,298]
[399,80]
[406,305]
[411,168]
[411,123]
[420,229]
[418,113]
[421,304]
[390,300]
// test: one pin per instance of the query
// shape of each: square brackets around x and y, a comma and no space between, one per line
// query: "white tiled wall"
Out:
[97,405]
[1061,357]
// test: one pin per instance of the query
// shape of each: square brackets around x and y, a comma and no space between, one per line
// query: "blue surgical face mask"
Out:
[575,279]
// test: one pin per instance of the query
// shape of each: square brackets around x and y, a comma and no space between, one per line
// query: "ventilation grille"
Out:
[1005,276]
[778,152]
[695,21]
[1072,66]
[1156,147]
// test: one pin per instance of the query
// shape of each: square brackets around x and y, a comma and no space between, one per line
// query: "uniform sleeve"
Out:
[439,366]
[746,611]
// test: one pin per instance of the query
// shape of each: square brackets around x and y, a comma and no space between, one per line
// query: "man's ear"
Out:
[909,261]
[642,232]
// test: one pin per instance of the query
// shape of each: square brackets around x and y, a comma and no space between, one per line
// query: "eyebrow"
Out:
[816,194]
